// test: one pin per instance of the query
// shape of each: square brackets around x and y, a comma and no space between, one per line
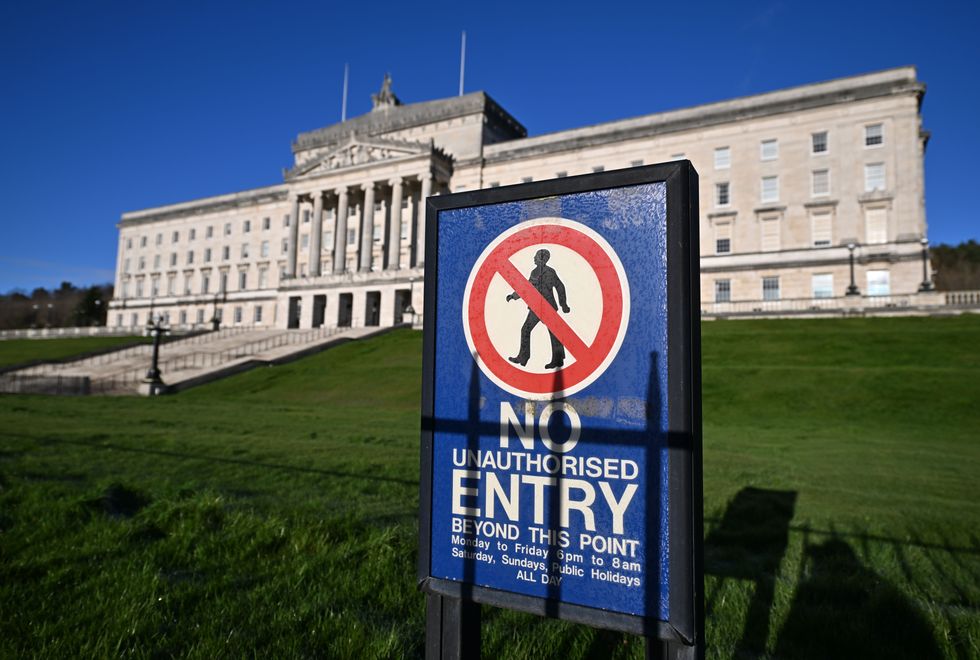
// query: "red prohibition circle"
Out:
[592,356]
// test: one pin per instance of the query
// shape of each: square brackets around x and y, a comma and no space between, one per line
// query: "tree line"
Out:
[64,307]
[957,267]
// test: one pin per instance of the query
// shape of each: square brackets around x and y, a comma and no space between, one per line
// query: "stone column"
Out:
[420,235]
[395,230]
[340,234]
[367,228]
[317,234]
[293,236]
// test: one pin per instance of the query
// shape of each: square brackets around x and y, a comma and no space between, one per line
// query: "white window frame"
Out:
[723,158]
[881,127]
[877,289]
[867,180]
[723,285]
[728,194]
[813,183]
[762,149]
[778,289]
[813,227]
[826,143]
[769,220]
[823,291]
[762,189]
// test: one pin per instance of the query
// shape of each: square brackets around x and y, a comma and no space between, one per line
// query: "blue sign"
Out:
[550,470]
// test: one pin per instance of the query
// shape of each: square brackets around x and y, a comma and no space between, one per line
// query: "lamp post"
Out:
[34,322]
[411,296]
[926,280]
[153,381]
[215,319]
[98,311]
[852,289]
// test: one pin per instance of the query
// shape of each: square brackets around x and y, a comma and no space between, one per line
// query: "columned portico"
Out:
[293,236]
[367,228]
[394,246]
[340,233]
[316,235]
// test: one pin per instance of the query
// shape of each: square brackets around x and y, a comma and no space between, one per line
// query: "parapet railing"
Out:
[844,304]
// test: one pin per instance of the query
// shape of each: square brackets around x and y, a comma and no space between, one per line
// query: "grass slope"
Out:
[18,351]
[274,513]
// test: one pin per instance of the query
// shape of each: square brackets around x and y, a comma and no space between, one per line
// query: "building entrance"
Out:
[319,310]
[403,298]
[345,309]
[295,305]
[372,308]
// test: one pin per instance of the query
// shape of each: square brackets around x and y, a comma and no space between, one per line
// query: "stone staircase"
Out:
[184,362]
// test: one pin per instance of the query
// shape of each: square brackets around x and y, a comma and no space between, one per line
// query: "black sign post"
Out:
[561,408]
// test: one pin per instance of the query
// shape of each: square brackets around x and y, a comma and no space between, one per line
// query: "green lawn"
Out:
[274,513]
[18,351]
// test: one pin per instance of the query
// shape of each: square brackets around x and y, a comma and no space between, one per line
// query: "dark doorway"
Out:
[345,309]
[295,308]
[319,310]
[403,298]
[372,308]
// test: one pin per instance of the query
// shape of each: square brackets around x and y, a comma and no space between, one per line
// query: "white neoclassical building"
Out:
[792,183]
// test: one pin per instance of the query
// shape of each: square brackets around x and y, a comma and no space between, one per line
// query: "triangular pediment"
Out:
[358,151]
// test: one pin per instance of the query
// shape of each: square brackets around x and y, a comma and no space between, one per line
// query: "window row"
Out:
[874,136]
[193,285]
[821,286]
[192,233]
[200,316]
[874,180]
[821,230]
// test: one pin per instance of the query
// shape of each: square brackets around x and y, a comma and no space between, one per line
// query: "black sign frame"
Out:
[686,572]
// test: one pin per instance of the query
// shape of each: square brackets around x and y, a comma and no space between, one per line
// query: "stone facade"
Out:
[791,183]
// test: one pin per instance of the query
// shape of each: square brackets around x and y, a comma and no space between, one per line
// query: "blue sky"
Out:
[115,106]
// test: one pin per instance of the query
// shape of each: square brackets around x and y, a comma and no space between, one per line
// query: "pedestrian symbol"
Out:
[577,289]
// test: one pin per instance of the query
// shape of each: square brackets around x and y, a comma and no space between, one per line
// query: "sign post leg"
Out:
[452,628]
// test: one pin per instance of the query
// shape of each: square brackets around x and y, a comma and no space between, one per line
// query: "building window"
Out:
[125,290]
[876,225]
[769,149]
[183,317]
[266,223]
[302,270]
[599,168]
[242,280]
[126,266]
[205,282]
[722,197]
[244,250]
[878,283]
[351,237]
[327,240]
[190,257]
[156,262]
[129,244]
[723,158]
[193,234]
[285,245]
[142,263]
[257,314]
[723,238]
[561,175]
[770,288]
[770,189]
[227,229]
[223,283]
[209,231]
[285,220]
[405,229]
[188,283]
[264,249]
[304,241]
[238,314]
[175,237]
[134,319]
[723,291]
[207,255]
[306,216]
[142,241]
[173,259]
[171,285]
[263,278]
[200,316]
[527,179]
[822,285]
[818,142]
[770,241]
[820,183]
[874,177]
[822,236]
[159,239]
[226,252]
[874,135]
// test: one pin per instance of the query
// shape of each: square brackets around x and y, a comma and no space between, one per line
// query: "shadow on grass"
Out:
[748,544]
[220,459]
[844,610]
